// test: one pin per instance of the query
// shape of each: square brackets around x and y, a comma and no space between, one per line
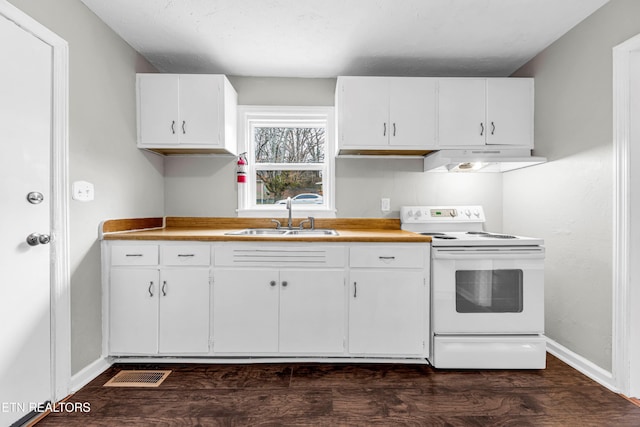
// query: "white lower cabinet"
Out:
[269,311]
[159,311]
[386,313]
[133,311]
[389,301]
[157,308]
[364,300]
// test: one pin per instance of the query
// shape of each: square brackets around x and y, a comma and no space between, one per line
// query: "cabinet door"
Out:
[387,313]
[184,311]
[510,112]
[363,112]
[245,311]
[312,311]
[158,113]
[200,109]
[412,112]
[133,311]
[461,112]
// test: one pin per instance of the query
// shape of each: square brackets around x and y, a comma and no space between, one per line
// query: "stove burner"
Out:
[481,233]
[499,236]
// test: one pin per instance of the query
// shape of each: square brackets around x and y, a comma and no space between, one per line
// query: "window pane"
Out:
[274,186]
[289,144]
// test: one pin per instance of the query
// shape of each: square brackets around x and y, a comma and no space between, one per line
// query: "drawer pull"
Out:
[355,289]
[387,258]
[150,287]
[164,288]
[284,284]
[272,283]
[133,255]
[186,255]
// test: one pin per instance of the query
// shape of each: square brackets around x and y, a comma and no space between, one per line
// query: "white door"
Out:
[200,109]
[25,144]
[510,112]
[158,100]
[133,311]
[184,311]
[461,112]
[387,313]
[413,112]
[363,109]
[312,311]
[245,311]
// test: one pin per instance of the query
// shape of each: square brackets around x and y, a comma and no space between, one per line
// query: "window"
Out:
[290,154]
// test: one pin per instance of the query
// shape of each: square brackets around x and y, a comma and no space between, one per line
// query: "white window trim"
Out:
[248,113]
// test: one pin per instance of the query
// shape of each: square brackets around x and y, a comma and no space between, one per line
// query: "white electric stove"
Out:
[487,290]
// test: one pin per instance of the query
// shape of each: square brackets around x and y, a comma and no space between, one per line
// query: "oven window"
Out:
[489,291]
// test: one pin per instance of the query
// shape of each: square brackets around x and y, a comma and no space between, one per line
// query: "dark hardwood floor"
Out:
[351,395]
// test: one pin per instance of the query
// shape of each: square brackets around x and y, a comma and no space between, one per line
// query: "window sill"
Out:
[281,212]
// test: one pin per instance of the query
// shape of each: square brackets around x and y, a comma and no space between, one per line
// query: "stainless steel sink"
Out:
[283,232]
[314,232]
[258,231]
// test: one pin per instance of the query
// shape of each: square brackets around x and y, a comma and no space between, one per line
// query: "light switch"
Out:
[82,191]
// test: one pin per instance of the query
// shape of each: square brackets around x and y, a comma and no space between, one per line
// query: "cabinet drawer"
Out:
[388,256]
[134,255]
[185,255]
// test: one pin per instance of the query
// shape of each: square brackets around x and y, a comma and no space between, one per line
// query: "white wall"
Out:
[568,201]
[102,150]
[205,186]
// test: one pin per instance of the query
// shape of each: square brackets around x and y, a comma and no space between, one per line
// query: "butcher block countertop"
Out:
[215,229]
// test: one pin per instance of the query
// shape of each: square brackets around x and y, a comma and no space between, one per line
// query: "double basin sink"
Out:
[283,232]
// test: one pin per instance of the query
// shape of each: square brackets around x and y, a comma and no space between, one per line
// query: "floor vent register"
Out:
[138,379]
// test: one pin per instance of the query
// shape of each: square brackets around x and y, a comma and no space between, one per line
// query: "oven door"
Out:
[488,290]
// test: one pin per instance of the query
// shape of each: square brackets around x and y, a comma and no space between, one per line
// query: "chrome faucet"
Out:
[312,223]
[289,222]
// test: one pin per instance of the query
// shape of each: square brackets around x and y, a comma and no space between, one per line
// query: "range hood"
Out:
[481,160]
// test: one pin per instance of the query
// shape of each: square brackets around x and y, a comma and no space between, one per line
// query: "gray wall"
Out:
[102,150]
[360,183]
[568,201]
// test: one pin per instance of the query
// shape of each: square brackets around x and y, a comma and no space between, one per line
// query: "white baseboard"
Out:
[88,374]
[582,365]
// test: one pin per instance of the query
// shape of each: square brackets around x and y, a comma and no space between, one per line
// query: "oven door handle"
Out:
[488,253]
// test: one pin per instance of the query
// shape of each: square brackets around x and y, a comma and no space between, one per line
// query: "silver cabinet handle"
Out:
[183,131]
[481,129]
[173,127]
[355,289]
[132,255]
[164,288]
[394,129]
[493,128]
[186,255]
[386,257]
[150,287]
[272,283]
[384,132]
[284,284]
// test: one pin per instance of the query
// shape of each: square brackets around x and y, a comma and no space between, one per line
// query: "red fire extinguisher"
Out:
[241,168]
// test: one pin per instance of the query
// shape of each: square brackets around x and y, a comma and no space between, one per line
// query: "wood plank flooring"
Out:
[351,395]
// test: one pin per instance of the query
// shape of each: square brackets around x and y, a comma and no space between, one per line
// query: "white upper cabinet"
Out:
[186,113]
[385,114]
[479,112]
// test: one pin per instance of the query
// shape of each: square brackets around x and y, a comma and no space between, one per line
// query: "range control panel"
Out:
[440,214]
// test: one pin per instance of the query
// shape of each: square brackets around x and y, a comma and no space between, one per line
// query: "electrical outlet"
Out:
[82,191]
[385,205]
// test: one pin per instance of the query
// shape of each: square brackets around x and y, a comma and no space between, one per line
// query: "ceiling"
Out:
[327,38]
